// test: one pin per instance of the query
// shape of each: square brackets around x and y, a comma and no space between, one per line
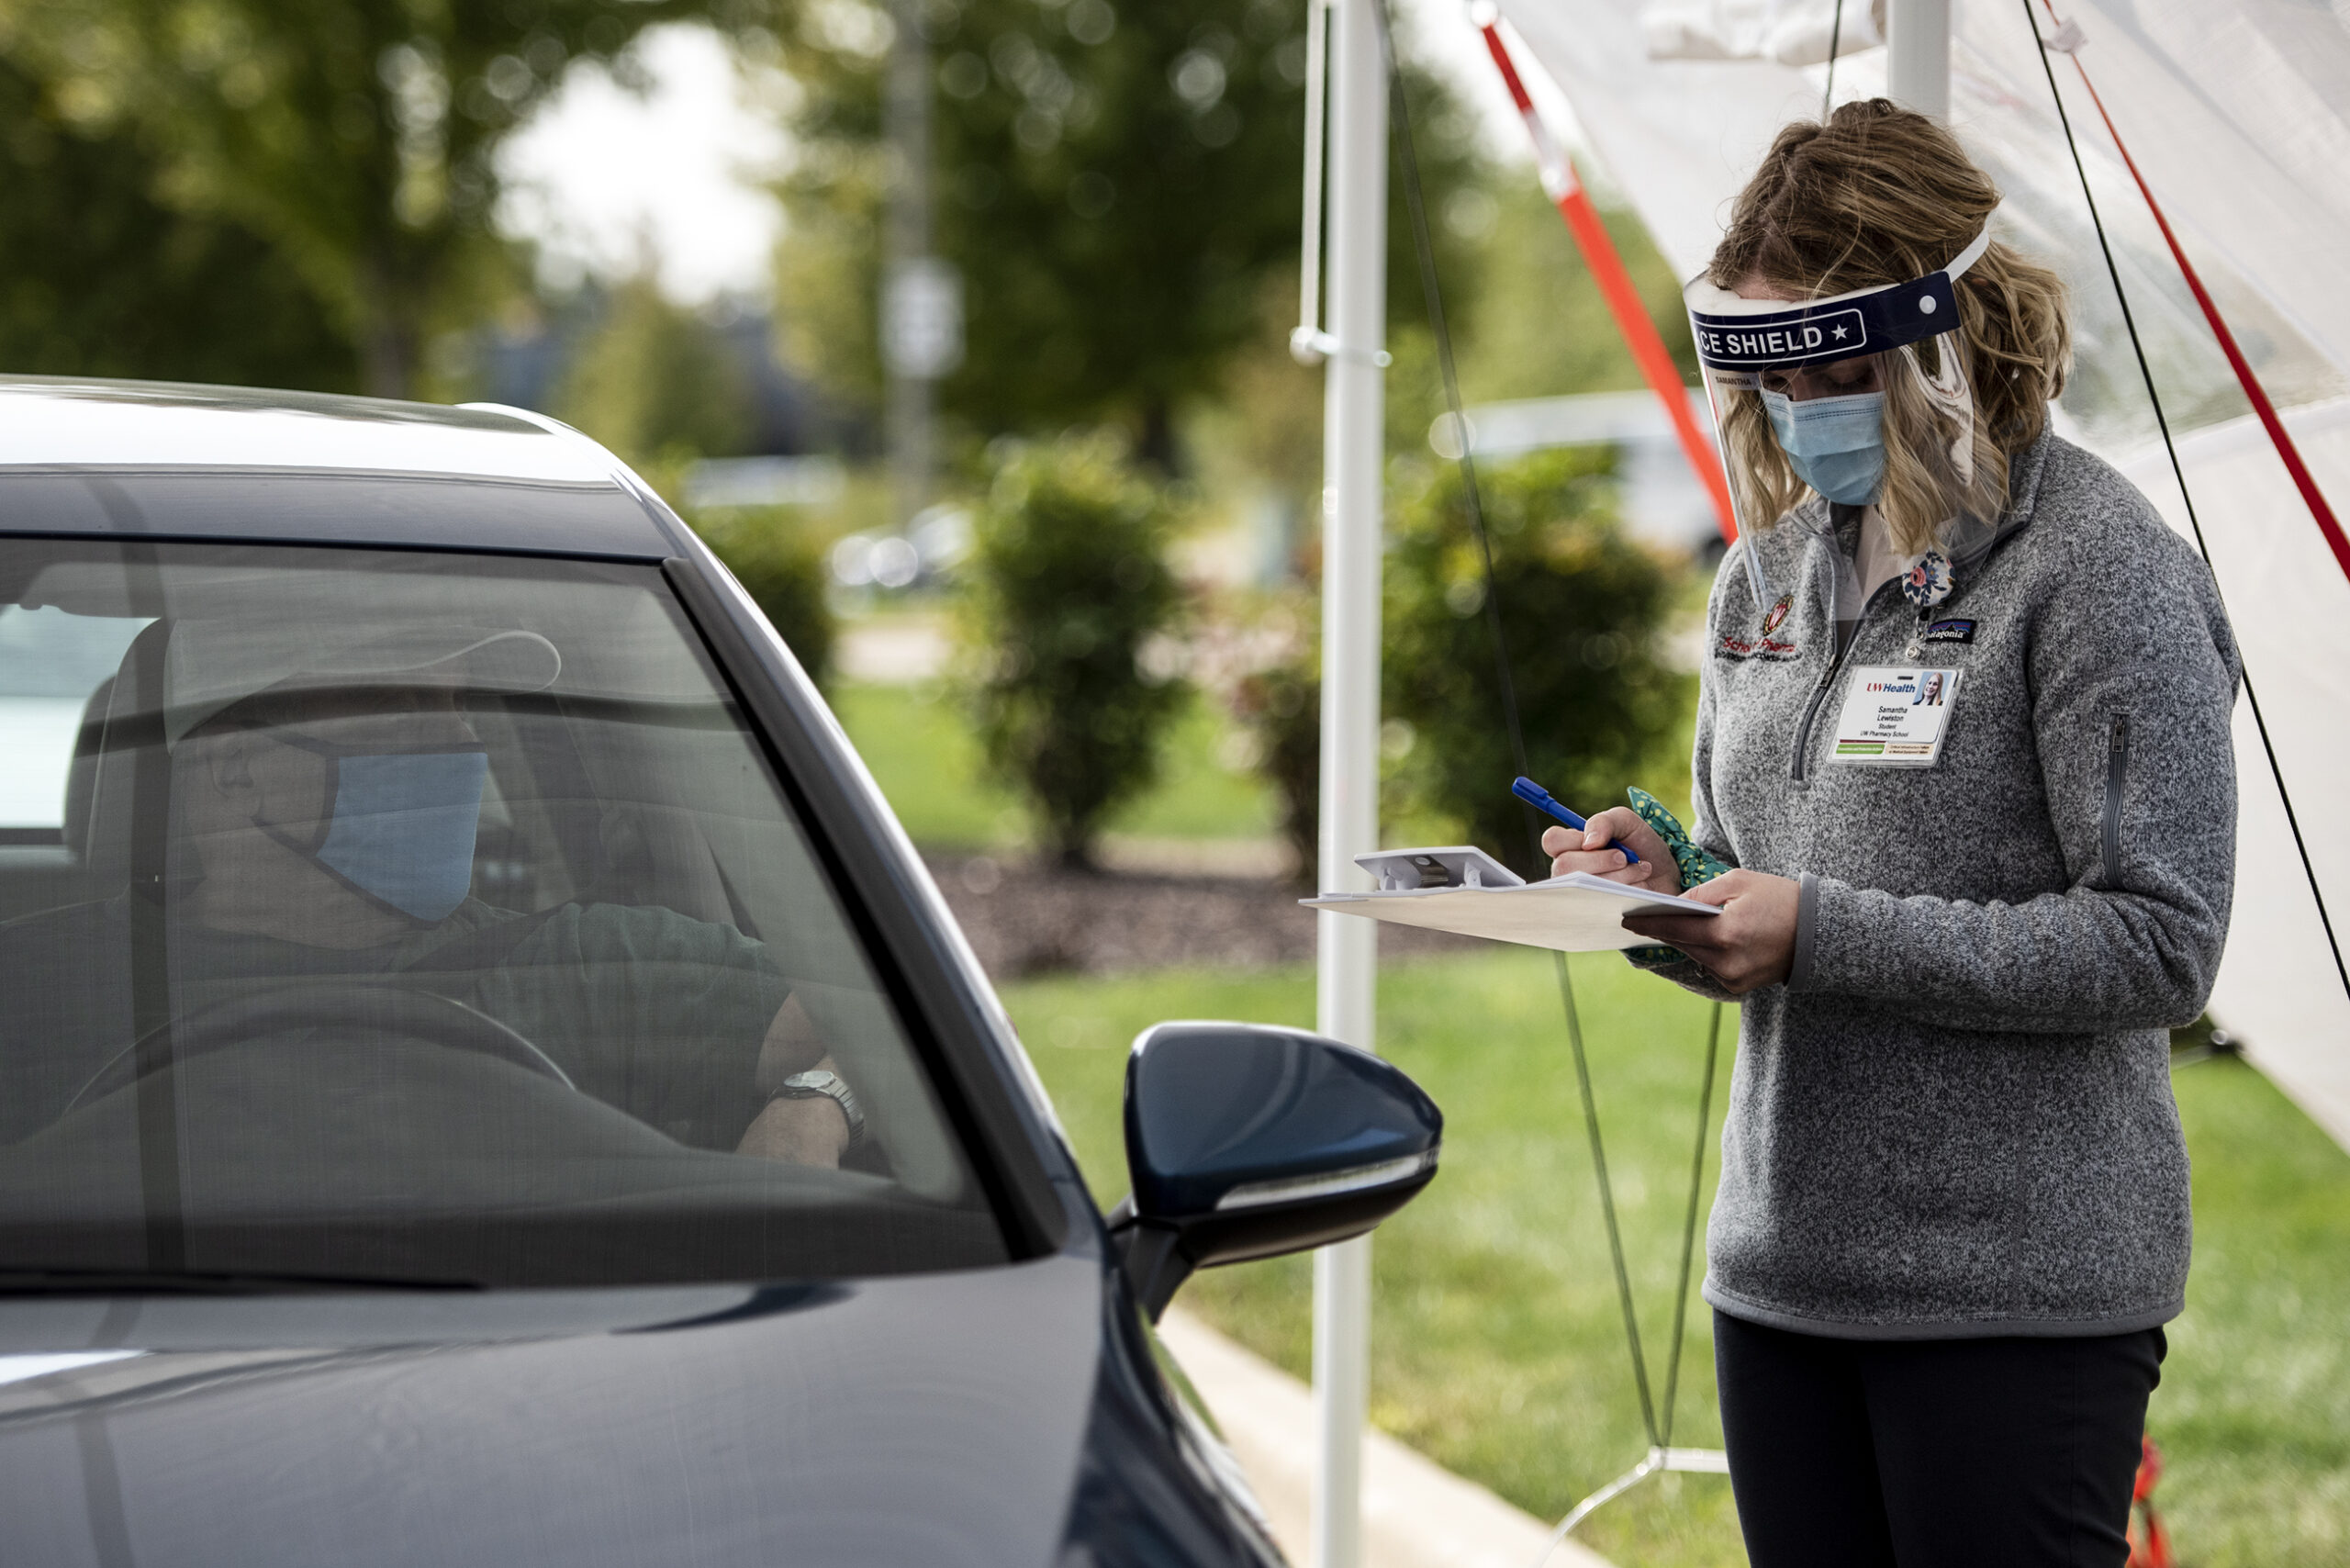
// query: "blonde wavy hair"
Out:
[1879,194]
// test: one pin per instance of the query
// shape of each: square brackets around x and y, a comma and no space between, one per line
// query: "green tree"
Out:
[1536,325]
[661,387]
[657,382]
[1581,605]
[356,138]
[1067,588]
[1115,184]
[97,277]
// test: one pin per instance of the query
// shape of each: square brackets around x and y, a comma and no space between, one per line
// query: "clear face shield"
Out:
[1839,379]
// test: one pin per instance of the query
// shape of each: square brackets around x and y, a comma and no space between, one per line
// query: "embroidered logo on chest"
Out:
[1733,646]
[1948,632]
[1762,645]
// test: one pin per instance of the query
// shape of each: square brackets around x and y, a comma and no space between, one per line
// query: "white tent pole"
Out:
[1916,50]
[1353,418]
[1306,342]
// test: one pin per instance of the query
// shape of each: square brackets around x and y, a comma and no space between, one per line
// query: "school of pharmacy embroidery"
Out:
[1762,645]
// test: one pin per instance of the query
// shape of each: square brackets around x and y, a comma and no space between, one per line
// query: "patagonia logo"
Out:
[1949,632]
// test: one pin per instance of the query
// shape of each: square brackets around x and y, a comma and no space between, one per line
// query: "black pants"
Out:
[1858,1453]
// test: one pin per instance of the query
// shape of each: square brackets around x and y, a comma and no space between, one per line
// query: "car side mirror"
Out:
[1245,1140]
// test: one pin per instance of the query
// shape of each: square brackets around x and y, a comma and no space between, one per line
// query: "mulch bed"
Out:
[1028,919]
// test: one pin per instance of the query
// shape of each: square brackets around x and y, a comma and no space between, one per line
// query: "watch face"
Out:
[818,1082]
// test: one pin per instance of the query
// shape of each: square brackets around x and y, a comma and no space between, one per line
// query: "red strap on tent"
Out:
[1616,285]
[2149,1548]
[2067,41]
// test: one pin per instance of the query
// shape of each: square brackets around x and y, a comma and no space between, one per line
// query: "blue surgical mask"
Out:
[1835,444]
[400,824]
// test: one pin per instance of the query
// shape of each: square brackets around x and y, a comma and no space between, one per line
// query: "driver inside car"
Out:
[326,790]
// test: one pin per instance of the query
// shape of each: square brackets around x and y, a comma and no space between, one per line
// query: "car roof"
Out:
[231,462]
[50,421]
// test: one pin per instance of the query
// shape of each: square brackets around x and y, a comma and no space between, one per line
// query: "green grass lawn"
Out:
[1498,1347]
[927,762]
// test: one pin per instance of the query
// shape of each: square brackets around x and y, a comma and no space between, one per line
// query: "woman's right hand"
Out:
[1594,850]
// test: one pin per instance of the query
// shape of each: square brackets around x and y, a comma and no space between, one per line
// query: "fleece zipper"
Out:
[1799,771]
[1810,711]
[2117,772]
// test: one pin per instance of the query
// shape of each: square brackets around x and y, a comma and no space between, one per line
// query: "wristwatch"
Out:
[831,1086]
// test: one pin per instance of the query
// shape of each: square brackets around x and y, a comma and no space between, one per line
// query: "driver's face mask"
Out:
[1835,444]
[399,824]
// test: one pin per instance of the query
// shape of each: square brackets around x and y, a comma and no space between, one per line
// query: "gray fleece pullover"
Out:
[1954,1118]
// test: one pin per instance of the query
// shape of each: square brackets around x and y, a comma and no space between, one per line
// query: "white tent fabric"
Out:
[2238,112]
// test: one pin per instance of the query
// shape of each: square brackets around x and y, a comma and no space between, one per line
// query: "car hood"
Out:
[933,1419]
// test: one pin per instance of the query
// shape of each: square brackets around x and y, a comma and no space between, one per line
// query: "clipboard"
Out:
[1575,914]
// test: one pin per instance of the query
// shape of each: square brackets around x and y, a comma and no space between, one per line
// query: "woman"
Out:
[1953,1205]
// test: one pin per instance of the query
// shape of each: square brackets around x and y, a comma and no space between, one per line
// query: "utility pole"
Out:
[1353,429]
[922,296]
[1917,56]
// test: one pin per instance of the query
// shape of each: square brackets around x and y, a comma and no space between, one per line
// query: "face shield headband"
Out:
[1750,336]
[1739,341]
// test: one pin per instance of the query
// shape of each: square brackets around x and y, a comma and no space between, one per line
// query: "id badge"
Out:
[1894,716]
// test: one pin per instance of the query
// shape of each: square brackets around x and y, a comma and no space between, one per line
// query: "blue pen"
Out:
[1542,800]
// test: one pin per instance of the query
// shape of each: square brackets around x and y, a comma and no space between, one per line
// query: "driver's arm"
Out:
[810,1131]
[793,1044]
[611,975]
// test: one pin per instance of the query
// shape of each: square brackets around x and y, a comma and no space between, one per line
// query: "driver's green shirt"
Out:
[647,1009]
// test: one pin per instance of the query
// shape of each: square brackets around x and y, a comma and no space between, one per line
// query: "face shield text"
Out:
[1838,334]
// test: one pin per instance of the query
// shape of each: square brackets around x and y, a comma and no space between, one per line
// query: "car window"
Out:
[431,918]
[50,664]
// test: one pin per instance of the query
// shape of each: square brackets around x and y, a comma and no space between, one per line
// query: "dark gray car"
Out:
[484,1079]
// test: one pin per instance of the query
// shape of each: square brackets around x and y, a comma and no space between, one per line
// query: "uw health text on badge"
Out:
[1895,716]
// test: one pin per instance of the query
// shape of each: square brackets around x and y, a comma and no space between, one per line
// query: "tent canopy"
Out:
[2238,112]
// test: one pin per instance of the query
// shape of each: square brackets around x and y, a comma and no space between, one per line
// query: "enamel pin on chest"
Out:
[1895,716]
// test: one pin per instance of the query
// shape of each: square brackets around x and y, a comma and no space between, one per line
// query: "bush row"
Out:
[1068,602]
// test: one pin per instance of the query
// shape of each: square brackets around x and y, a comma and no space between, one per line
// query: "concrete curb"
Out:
[1416,1514]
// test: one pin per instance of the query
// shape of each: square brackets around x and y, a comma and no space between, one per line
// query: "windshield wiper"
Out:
[204,1282]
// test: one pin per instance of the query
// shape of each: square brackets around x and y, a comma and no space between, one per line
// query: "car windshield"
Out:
[428,919]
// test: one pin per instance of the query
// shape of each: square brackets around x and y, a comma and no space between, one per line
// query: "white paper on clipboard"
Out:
[1575,914]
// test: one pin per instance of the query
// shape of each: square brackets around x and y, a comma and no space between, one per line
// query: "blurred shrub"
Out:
[782,567]
[1281,707]
[1067,590]
[1580,606]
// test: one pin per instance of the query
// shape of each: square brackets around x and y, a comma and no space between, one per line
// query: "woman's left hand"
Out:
[1750,944]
